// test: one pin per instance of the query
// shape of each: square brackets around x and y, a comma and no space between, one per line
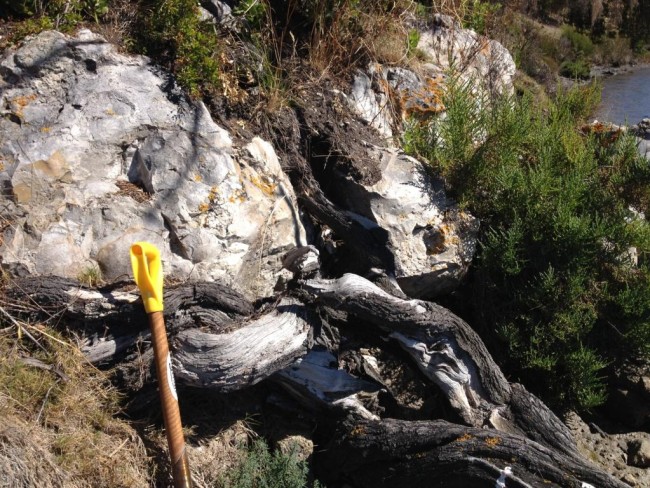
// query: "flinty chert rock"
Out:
[433,241]
[385,96]
[99,150]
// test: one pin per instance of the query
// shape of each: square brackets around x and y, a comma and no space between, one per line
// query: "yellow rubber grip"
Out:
[148,274]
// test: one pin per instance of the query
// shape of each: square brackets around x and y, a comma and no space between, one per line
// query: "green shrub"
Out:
[260,468]
[577,69]
[173,33]
[478,14]
[553,282]
[63,14]
[580,43]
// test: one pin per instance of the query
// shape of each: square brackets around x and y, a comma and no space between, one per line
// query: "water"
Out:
[626,97]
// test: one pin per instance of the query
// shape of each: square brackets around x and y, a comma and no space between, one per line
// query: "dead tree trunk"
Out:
[221,342]
[217,340]
[396,453]
[451,355]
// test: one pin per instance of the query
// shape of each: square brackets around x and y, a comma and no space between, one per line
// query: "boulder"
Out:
[476,59]
[384,96]
[638,453]
[432,239]
[218,12]
[99,150]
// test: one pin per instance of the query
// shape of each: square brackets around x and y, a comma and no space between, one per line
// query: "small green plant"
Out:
[90,276]
[480,14]
[173,33]
[556,278]
[95,8]
[37,16]
[577,69]
[580,43]
[412,42]
[254,11]
[260,468]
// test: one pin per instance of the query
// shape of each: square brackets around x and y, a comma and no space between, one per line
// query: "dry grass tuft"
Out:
[58,424]
[212,459]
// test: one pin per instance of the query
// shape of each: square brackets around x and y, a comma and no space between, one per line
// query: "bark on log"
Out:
[397,453]
[216,339]
[452,356]
[220,344]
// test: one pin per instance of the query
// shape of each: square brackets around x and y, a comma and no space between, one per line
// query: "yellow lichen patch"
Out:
[110,111]
[2,165]
[264,184]
[54,167]
[464,438]
[18,105]
[198,178]
[440,239]
[212,196]
[358,430]
[424,101]
[237,198]
[46,129]
[492,441]
[204,207]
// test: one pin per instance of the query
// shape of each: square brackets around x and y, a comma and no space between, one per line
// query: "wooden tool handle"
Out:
[169,401]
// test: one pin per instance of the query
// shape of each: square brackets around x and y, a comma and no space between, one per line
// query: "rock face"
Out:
[433,241]
[476,59]
[639,453]
[98,150]
[642,132]
[620,454]
[384,96]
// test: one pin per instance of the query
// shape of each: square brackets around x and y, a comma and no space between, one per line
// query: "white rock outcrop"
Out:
[432,239]
[84,130]
[384,96]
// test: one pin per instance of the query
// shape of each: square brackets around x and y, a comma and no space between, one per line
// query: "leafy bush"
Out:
[262,469]
[173,33]
[578,68]
[555,281]
[61,14]
[479,14]
[580,43]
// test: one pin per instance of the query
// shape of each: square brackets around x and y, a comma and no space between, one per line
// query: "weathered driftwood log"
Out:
[220,343]
[397,453]
[318,383]
[446,349]
[451,355]
[365,451]
[216,339]
[246,355]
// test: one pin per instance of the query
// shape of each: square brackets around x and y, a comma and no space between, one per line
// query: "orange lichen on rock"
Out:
[267,187]
[425,101]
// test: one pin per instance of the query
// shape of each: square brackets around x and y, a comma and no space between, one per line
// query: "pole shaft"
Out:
[169,402]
